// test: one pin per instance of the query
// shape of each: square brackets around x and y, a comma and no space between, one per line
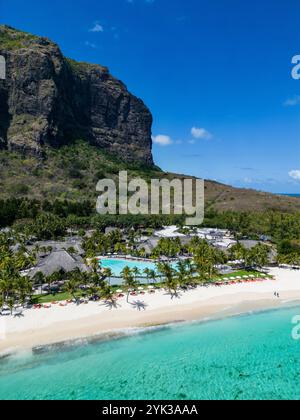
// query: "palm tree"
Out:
[11,304]
[136,272]
[260,255]
[170,280]
[205,260]
[23,288]
[190,271]
[172,286]
[182,276]
[107,274]
[39,278]
[71,287]
[21,261]
[238,252]
[6,259]
[153,276]
[107,293]
[94,264]
[54,277]
[147,273]
[6,286]
[128,280]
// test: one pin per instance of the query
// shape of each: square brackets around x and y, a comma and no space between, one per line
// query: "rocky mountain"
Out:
[49,100]
[85,125]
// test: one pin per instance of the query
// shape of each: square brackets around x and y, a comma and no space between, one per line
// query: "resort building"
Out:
[57,261]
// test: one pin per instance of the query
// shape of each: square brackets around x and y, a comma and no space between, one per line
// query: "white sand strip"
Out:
[46,326]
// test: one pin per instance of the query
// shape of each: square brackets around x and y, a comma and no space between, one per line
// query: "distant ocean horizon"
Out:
[291,195]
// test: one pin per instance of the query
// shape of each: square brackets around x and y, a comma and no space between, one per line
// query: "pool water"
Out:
[118,265]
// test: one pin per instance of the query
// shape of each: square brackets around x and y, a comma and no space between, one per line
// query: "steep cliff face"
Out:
[47,99]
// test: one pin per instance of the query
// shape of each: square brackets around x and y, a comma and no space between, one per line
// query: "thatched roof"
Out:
[58,261]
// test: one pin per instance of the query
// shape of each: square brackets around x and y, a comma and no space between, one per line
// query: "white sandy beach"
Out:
[58,324]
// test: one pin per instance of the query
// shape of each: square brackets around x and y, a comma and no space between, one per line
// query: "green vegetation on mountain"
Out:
[69,172]
[12,39]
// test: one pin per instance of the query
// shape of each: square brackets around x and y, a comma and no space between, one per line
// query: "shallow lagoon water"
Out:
[245,357]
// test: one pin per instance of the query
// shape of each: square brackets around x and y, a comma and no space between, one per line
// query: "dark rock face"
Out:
[47,99]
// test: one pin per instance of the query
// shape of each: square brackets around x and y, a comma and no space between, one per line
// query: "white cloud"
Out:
[90,44]
[201,133]
[162,140]
[248,180]
[292,101]
[97,28]
[295,174]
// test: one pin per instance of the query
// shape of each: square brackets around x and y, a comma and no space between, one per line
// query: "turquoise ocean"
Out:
[245,357]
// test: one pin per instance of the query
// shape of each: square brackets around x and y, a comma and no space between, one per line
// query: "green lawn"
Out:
[51,298]
[241,273]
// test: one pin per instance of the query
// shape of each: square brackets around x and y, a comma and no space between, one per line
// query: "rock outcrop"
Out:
[49,100]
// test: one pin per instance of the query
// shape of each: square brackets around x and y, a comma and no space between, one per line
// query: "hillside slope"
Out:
[71,172]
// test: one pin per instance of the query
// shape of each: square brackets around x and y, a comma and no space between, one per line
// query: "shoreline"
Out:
[59,326]
[148,328]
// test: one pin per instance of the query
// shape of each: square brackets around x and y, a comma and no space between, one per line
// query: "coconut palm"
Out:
[94,264]
[238,252]
[259,256]
[205,261]
[107,293]
[39,279]
[6,259]
[153,276]
[147,273]
[190,271]
[168,274]
[182,275]
[23,288]
[107,274]
[129,281]
[71,287]
[136,272]
[11,304]
[6,286]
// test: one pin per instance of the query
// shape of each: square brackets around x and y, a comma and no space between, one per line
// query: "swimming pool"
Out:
[118,265]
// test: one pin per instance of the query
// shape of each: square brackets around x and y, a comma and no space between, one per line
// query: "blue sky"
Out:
[216,75]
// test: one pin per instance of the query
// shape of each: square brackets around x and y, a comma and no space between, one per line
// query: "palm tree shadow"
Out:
[139,305]
[111,304]
[19,315]
[174,295]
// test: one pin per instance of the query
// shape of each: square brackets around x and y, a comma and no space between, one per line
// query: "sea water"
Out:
[245,357]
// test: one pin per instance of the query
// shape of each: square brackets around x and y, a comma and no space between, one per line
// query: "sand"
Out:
[58,324]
